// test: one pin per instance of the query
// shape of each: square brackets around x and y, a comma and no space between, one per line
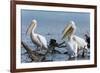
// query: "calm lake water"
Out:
[51,25]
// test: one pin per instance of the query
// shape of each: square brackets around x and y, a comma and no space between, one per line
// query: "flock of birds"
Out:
[72,41]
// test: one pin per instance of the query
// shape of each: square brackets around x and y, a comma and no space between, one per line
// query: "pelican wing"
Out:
[43,40]
[81,42]
[39,40]
[35,40]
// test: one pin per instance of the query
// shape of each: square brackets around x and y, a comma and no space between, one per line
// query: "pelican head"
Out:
[69,29]
[32,26]
[34,21]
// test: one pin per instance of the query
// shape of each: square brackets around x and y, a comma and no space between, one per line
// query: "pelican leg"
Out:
[84,52]
[71,53]
[76,53]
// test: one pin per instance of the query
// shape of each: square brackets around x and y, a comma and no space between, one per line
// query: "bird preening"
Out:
[72,42]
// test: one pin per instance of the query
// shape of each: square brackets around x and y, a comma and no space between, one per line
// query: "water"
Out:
[51,25]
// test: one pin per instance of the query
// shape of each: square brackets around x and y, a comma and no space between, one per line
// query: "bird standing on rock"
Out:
[39,40]
[73,42]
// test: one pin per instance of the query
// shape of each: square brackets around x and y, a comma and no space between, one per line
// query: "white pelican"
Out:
[74,42]
[39,40]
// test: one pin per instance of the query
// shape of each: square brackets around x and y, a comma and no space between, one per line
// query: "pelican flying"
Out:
[39,40]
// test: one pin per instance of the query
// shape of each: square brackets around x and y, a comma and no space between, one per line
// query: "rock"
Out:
[61,50]
[42,52]
[25,58]
[60,57]
[48,57]
[57,57]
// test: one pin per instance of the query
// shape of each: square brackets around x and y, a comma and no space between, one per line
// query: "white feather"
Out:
[37,39]
[43,40]
[74,42]
[81,42]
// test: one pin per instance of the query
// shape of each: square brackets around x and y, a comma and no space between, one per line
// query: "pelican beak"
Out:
[29,30]
[67,31]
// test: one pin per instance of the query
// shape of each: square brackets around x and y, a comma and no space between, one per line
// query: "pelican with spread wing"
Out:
[39,40]
[73,41]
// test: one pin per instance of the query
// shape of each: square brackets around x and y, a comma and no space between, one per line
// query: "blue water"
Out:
[52,23]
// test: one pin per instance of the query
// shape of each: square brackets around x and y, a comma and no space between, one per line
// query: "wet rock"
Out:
[49,57]
[61,50]
[25,58]
[42,52]
[57,57]
[60,57]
